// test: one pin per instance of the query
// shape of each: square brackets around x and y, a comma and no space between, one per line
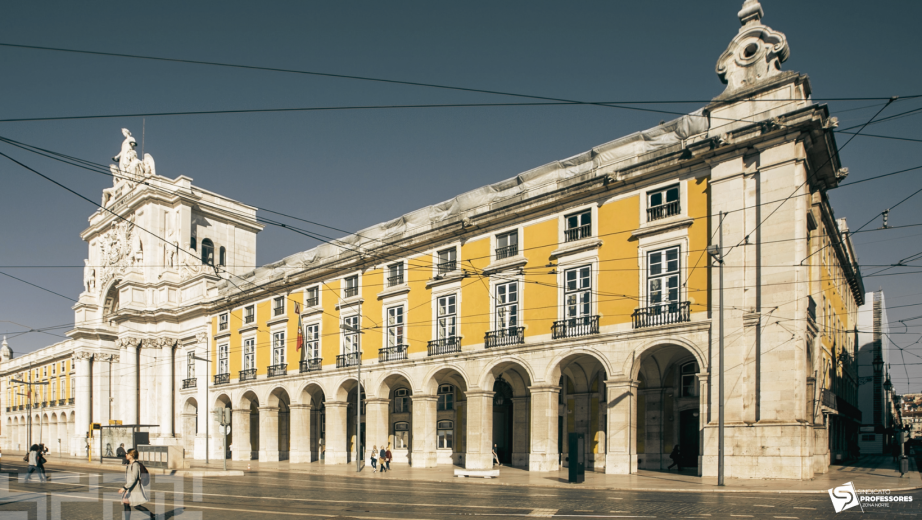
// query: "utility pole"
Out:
[208,419]
[717,252]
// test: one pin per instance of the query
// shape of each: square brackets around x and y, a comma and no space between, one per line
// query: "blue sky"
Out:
[351,169]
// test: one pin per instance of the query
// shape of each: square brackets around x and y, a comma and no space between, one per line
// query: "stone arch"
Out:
[631,365]
[246,398]
[110,298]
[559,363]
[452,374]
[275,426]
[189,430]
[344,387]
[308,422]
[310,393]
[390,382]
[520,374]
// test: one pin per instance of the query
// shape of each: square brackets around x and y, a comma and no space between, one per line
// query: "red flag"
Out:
[300,342]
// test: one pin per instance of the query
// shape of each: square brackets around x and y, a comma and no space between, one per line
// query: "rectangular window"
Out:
[395,274]
[448,260]
[401,400]
[445,431]
[351,286]
[448,316]
[223,366]
[278,306]
[73,388]
[54,369]
[401,435]
[312,341]
[663,279]
[190,365]
[869,437]
[249,354]
[446,399]
[313,297]
[689,371]
[395,326]
[507,305]
[507,245]
[45,371]
[222,321]
[578,292]
[663,203]
[278,348]
[249,314]
[578,225]
[350,334]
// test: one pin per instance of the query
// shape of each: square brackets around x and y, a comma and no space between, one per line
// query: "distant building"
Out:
[874,388]
[911,409]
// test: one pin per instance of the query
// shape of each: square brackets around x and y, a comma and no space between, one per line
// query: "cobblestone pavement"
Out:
[91,494]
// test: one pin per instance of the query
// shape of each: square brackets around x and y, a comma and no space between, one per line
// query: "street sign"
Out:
[113,422]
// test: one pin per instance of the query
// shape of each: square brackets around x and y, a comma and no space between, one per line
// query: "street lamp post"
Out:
[207,418]
[717,253]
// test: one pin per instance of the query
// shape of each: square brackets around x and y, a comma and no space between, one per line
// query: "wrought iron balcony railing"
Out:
[70,400]
[447,266]
[313,302]
[350,291]
[52,403]
[397,279]
[189,383]
[249,318]
[395,353]
[7,408]
[573,327]
[449,345]
[665,314]
[578,233]
[665,210]
[61,402]
[278,311]
[221,379]
[311,365]
[504,337]
[347,360]
[248,374]
[277,370]
[507,252]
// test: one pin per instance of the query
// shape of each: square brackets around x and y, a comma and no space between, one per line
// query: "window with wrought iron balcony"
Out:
[508,332]
[507,245]
[313,297]
[448,261]
[578,320]
[663,203]
[395,274]
[448,341]
[578,226]
[278,306]
[351,286]
[663,292]
[249,314]
[223,321]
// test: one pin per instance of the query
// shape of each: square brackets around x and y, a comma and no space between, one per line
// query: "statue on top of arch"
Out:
[130,168]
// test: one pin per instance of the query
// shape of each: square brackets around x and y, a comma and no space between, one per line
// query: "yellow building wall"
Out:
[698,237]
[263,337]
[475,294]
[373,323]
[539,292]
[292,354]
[235,344]
[618,275]
[330,335]
[419,314]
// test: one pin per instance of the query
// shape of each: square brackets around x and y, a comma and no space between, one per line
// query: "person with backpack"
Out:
[134,492]
[32,459]
[387,453]
[382,458]
[41,460]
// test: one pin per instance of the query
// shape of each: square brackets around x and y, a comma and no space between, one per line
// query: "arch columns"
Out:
[654,427]
[82,400]
[423,443]
[300,448]
[268,434]
[128,359]
[479,430]
[376,415]
[622,426]
[520,437]
[543,428]
[335,437]
[240,422]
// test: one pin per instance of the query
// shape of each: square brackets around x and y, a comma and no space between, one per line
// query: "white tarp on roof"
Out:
[618,154]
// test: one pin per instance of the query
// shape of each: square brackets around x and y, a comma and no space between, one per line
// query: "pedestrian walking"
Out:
[382,458]
[496,456]
[120,453]
[374,458]
[676,457]
[134,492]
[42,450]
[388,455]
[32,460]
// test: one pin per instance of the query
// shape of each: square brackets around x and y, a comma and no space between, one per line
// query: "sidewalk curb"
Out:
[185,472]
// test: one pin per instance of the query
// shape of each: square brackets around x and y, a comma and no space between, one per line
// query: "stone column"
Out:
[102,365]
[240,447]
[82,404]
[376,422]
[148,412]
[168,382]
[128,400]
[300,449]
[335,440]
[705,445]
[622,426]
[423,442]
[654,433]
[543,428]
[479,430]
[268,434]
[520,425]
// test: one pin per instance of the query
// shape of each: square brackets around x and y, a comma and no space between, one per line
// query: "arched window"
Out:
[222,257]
[445,430]
[401,435]
[689,388]
[207,252]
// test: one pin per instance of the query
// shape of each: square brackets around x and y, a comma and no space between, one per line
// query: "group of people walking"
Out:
[383,456]
[36,461]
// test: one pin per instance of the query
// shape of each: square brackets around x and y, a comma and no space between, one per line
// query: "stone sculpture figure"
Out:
[128,163]
[89,276]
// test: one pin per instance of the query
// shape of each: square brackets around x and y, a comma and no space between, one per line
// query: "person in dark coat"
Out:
[120,453]
[676,457]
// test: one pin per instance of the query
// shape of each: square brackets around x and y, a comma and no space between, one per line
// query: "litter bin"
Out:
[577,457]
[904,465]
